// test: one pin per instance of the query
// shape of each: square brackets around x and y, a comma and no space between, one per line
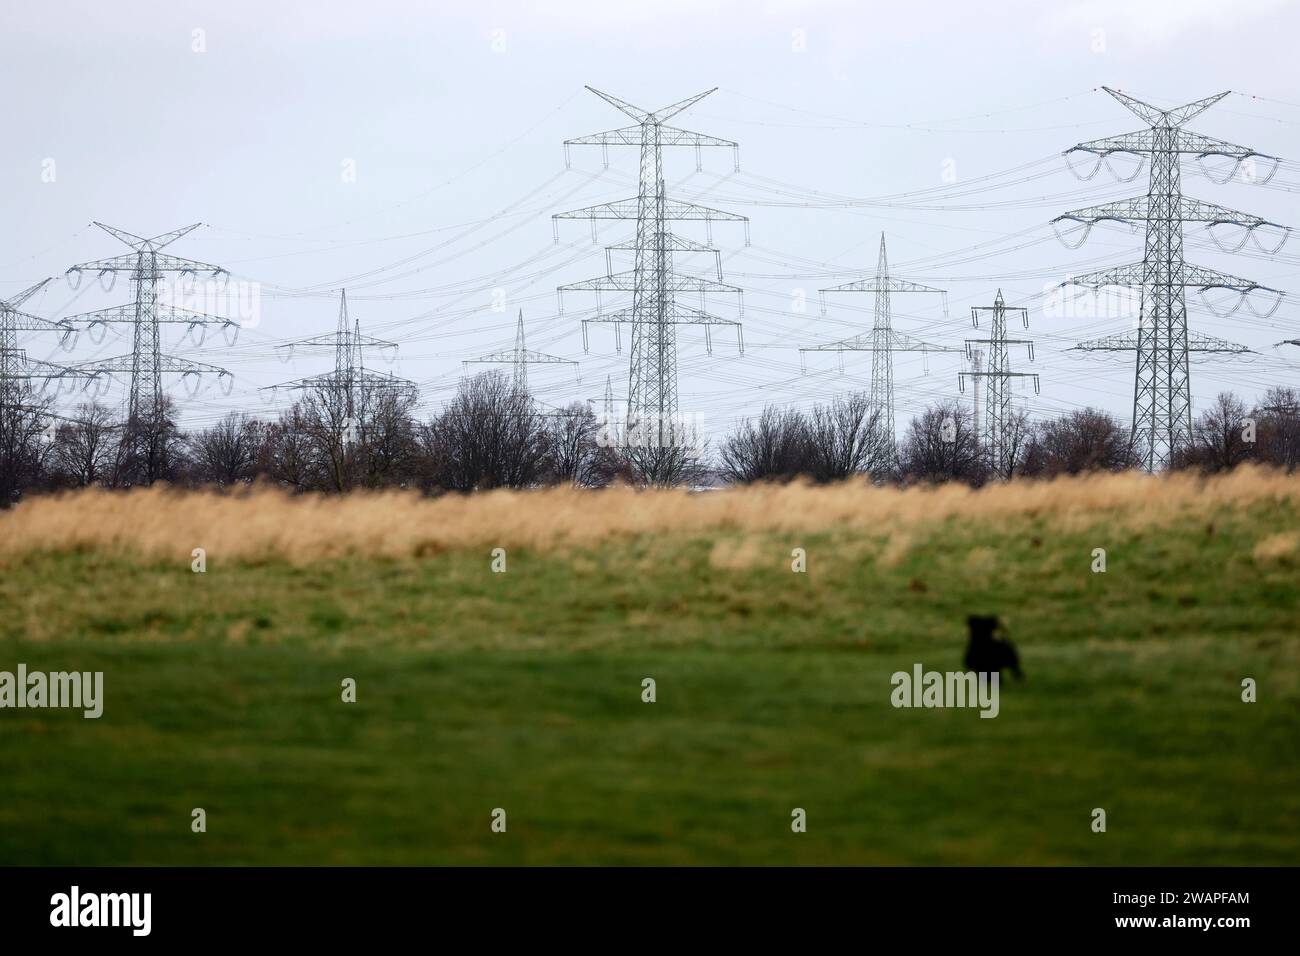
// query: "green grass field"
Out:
[523,691]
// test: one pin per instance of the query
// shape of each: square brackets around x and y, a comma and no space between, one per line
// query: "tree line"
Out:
[943,444]
[337,438]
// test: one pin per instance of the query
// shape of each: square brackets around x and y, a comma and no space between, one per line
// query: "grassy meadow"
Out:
[522,690]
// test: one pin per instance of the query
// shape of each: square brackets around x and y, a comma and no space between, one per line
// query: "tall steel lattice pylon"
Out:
[997,376]
[146,363]
[350,385]
[520,357]
[1162,399]
[882,342]
[653,420]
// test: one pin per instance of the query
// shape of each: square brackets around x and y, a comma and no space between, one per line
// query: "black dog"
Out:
[986,654]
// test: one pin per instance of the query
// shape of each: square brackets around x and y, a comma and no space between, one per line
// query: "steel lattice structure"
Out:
[882,342]
[997,376]
[520,357]
[17,370]
[146,363]
[350,384]
[653,420]
[1162,402]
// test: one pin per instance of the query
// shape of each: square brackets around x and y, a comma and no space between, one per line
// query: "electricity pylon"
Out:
[350,386]
[1162,399]
[520,357]
[882,342]
[652,423]
[997,376]
[146,363]
[17,370]
[610,424]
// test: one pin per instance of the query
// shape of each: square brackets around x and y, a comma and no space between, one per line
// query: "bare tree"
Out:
[489,436]
[775,447]
[1084,440]
[940,446]
[85,449]
[387,445]
[574,453]
[152,447]
[1218,437]
[331,419]
[227,453]
[1278,428]
[23,421]
[289,453]
[842,437]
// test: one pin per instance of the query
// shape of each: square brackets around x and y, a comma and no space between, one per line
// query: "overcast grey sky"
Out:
[252,116]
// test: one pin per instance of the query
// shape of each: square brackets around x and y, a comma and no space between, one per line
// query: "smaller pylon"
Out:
[351,381]
[609,422]
[997,380]
[882,342]
[521,357]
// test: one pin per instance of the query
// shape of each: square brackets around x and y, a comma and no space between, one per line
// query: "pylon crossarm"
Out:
[166,363]
[1154,116]
[668,112]
[1192,276]
[622,106]
[30,368]
[165,314]
[626,282]
[1197,210]
[888,284]
[11,304]
[1128,342]
[331,341]
[630,209]
[677,315]
[26,322]
[671,136]
[1200,342]
[856,343]
[1185,114]
[157,262]
[167,238]
[1140,141]
[123,263]
[141,244]
[673,243]
[1125,210]
[1198,144]
[527,355]
[130,238]
[1207,148]
[627,136]
[354,377]
[902,342]
[618,282]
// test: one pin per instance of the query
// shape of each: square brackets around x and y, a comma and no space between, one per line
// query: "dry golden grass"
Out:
[1276,547]
[264,523]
